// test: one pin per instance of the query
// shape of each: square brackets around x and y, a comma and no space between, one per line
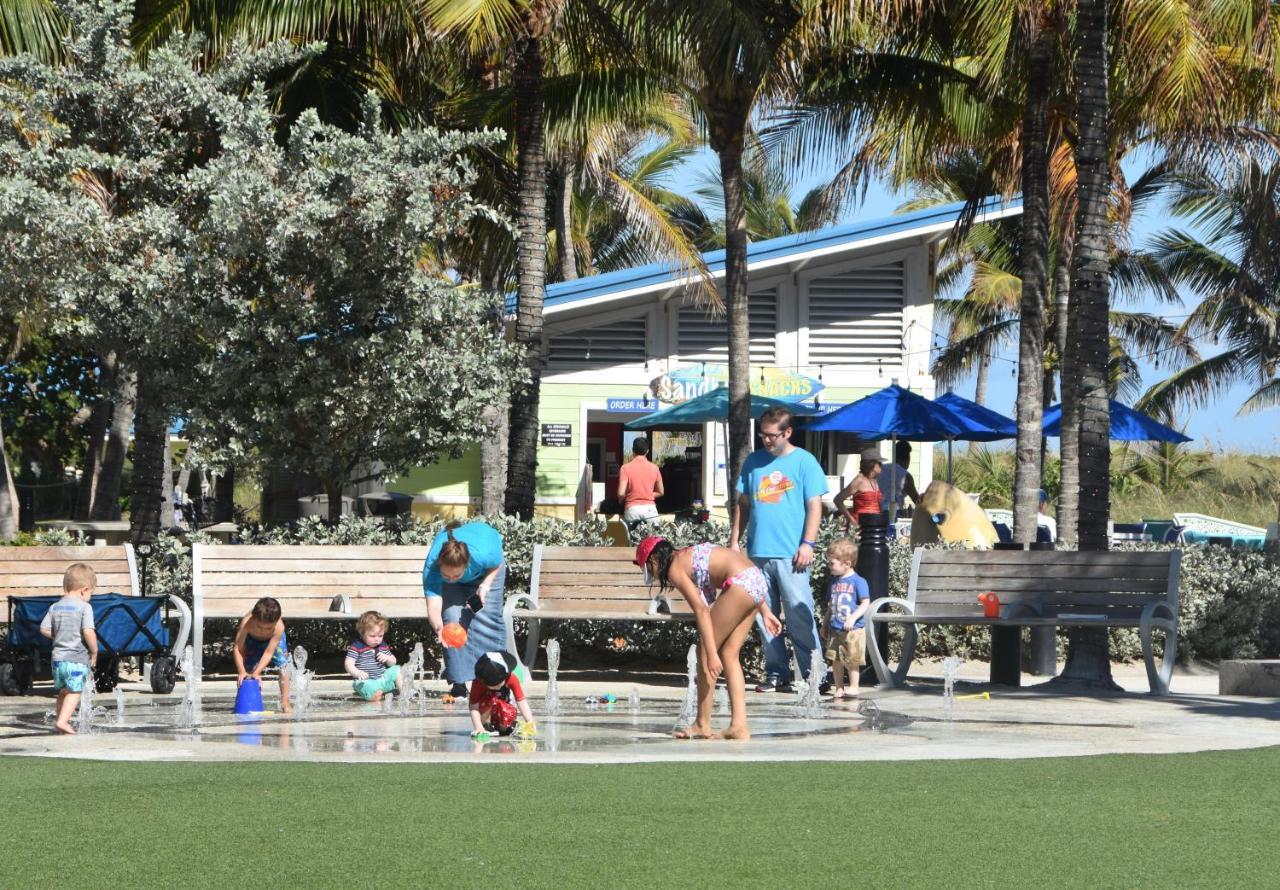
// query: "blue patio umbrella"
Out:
[894,413]
[1127,425]
[712,406]
[984,424]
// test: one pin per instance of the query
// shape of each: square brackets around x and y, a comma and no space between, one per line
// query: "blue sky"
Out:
[1215,426]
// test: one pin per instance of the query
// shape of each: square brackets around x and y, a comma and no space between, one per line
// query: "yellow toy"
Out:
[947,514]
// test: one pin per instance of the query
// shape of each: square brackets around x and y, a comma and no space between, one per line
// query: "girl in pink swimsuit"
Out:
[725,590]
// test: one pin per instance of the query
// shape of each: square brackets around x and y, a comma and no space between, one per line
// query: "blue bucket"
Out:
[249,697]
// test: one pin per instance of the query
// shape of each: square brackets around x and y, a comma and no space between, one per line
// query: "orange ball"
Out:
[454,636]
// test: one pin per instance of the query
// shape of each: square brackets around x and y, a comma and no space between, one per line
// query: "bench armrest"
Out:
[184,625]
[508,618]
[881,604]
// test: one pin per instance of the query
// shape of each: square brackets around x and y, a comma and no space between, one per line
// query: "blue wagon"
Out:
[126,626]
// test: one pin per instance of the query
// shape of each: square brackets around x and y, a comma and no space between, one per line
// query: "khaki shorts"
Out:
[847,647]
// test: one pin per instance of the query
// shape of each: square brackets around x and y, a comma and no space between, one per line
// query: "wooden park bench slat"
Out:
[585,584]
[38,571]
[313,581]
[1037,588]
[224,564]
[254,577]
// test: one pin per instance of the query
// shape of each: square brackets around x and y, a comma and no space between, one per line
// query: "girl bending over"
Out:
[725,590]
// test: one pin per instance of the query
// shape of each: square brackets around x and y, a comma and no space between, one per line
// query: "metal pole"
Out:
[873,566]
[950,442]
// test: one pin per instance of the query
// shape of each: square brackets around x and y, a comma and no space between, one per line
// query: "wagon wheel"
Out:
[106,676]
[8,680]
[164,675]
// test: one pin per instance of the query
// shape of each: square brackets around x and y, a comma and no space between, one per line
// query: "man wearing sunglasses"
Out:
[780,503]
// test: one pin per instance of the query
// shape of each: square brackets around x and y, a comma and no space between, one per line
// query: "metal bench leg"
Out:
[1159,678]
[890,678]
[509,620]
[531,645]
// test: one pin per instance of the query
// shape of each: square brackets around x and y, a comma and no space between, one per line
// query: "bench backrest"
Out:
[1050,582]
[228,579]
[37,571]
[603,579]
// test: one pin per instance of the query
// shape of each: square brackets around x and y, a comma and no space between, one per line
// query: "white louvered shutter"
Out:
[855,318]
[706,339]
[618,342]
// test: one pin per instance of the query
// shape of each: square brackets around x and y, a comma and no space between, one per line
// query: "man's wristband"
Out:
[810,543]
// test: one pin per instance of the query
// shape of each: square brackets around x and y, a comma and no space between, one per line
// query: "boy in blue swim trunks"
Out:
[370,662]
[69,623]
[261,643]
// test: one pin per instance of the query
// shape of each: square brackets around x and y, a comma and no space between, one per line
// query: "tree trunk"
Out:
[980,385]
[1069,384]
[150,433]
[8,496]
[531,263]
[224,506]
[333,496]
[1090,275]
[1035,285]
[493,462]
[1088,660]
[99,418]
[106,495]
[567,259]
[982,376]
[731,131]
[166,483]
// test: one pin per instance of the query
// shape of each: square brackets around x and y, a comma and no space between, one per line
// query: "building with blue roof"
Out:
[834,315]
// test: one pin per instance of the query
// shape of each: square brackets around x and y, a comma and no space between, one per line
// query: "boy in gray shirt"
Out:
[69,623]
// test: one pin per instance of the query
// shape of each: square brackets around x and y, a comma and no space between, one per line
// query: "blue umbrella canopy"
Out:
[1127,425]
[984,424]
[894,413]
[712,406]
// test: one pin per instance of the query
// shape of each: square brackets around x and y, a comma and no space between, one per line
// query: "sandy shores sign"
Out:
[684,384]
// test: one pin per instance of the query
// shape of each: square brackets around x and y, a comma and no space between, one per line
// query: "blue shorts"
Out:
[253,649]
[70,675]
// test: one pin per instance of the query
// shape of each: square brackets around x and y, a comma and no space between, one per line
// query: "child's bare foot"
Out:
[285,707]
[735,733]
[63,729]
[697,731]
[377,696]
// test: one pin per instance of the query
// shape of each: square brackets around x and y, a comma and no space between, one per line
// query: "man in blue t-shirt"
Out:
[780,502]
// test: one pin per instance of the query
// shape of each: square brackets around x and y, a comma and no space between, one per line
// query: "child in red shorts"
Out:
[492,694]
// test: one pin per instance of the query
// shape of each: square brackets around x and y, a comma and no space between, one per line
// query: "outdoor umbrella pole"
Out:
[950,442]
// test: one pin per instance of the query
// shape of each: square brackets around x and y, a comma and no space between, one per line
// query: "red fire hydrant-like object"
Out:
[990,604]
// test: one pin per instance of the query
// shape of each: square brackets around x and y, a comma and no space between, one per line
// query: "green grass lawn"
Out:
[1132,821]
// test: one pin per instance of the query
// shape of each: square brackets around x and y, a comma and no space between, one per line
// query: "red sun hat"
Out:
[645,547]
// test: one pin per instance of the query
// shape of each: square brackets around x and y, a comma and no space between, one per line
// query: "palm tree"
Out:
[1236,271]
[769,213]
[733,61]
[1187,80]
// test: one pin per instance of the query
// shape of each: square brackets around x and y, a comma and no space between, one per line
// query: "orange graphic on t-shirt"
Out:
[773,487]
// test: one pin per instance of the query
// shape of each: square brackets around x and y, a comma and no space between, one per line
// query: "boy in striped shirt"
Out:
[372,667]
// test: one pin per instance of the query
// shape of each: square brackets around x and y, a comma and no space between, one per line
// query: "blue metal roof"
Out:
[659,274]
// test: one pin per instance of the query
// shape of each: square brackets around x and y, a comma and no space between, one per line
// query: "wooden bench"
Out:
[324,581]
[38,571]
[587,584]
[1037,589]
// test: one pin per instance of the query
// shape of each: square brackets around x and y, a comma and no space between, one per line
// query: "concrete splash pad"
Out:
[911,725]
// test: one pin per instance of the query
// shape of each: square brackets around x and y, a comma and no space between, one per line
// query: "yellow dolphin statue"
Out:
[948,514]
